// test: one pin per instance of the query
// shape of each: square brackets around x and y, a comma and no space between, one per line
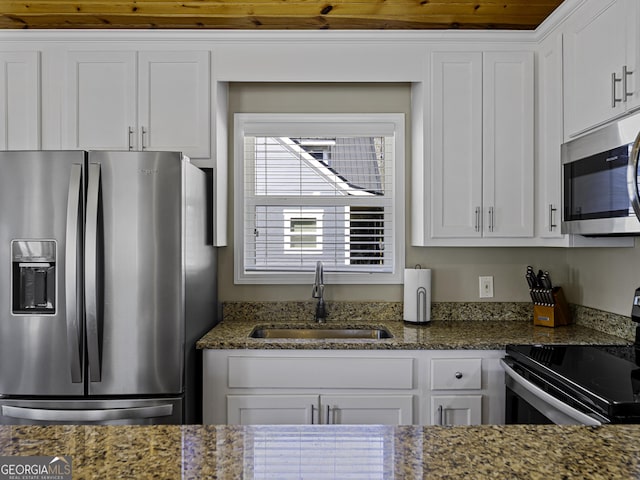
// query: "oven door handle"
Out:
[576,415]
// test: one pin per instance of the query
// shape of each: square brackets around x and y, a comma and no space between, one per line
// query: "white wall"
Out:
[604,278]
[455,270]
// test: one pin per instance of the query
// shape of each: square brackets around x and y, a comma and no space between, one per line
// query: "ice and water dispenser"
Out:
[33,277]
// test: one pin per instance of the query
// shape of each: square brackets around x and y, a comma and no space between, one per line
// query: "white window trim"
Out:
[298,125]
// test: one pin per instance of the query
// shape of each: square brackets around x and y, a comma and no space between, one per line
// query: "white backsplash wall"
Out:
[456,270]
[605,278]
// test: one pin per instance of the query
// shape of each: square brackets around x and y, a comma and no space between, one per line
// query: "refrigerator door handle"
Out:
[93,415]
[91,272]
[73,232]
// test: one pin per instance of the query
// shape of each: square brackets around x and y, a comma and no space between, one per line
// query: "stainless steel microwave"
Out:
[600,181]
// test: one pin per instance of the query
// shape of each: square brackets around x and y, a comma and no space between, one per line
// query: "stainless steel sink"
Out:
[320,333]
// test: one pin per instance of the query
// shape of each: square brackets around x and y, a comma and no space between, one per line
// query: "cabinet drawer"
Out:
[320,372]
[456,373]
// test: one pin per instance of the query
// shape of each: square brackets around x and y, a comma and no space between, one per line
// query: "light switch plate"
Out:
[486,287]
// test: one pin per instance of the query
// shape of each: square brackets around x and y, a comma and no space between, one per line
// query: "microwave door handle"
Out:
[632,176]
[91,272]
[71,275]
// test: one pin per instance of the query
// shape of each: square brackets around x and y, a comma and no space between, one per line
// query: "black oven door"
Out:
[528,403]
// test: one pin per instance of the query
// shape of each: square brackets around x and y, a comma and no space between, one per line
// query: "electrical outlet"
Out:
[486,287]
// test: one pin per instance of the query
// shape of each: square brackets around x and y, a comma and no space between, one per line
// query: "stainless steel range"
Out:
[572,384]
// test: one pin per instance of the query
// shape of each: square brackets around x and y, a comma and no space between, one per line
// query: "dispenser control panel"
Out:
[33,264]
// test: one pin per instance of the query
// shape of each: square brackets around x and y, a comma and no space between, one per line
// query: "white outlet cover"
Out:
[486,287]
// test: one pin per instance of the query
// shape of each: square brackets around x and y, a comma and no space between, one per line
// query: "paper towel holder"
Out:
[417,295]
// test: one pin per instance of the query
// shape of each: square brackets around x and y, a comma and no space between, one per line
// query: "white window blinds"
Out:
[331,452]
[317,189]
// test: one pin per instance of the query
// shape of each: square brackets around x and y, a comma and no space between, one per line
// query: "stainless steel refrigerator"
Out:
[107,279]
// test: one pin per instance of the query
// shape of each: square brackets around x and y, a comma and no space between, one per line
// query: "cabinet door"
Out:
[633,53]
[594,50]
[100,111]
[19,100]
[272,409]
[174,102]
[456,410]
[367,409]
[549,139]
[507,159]
[456,144]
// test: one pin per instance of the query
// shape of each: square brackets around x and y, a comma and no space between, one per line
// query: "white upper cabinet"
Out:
[174,107]
[507,145]
[456,144]
[19,100]
[600,63]
[549,138]
[480,157]
[101,102]
[148,100]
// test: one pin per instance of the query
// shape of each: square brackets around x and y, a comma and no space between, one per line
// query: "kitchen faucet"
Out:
[318,292]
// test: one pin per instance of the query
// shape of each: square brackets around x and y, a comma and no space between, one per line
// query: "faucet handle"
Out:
[317,291]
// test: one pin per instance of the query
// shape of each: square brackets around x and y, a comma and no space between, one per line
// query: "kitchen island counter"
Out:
[329,451]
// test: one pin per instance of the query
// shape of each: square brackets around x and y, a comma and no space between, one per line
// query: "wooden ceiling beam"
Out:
[277,14]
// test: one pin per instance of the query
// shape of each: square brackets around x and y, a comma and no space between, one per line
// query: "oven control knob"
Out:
[458,375]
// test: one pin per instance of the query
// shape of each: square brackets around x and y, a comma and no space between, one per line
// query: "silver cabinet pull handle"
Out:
[491,219]
[313,414]
[551,224]
[144,133]
[130,139]
[625,91]
[328,419]
[614,80]
[458,375]
[477,219]
[440,415]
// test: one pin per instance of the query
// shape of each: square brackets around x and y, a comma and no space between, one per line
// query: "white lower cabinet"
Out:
[327,409]
[443,387]
[458,383]
[271,409]
[456,409]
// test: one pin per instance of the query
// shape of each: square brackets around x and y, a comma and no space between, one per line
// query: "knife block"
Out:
[553,315]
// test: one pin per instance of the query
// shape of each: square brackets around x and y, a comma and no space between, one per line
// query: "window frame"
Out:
[319,124]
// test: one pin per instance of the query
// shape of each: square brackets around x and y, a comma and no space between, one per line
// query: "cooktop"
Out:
[605,377]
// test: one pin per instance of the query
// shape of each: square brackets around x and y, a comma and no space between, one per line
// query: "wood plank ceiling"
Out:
[276,14]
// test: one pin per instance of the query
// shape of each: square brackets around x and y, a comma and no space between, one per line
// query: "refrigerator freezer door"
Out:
[134,275]
[36,355]
[91,412]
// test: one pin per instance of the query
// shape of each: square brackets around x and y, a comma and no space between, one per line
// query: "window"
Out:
[303,231]
[319,187]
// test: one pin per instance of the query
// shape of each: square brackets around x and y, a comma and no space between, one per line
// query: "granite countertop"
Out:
[455,326]
[437,335]
[333,451]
